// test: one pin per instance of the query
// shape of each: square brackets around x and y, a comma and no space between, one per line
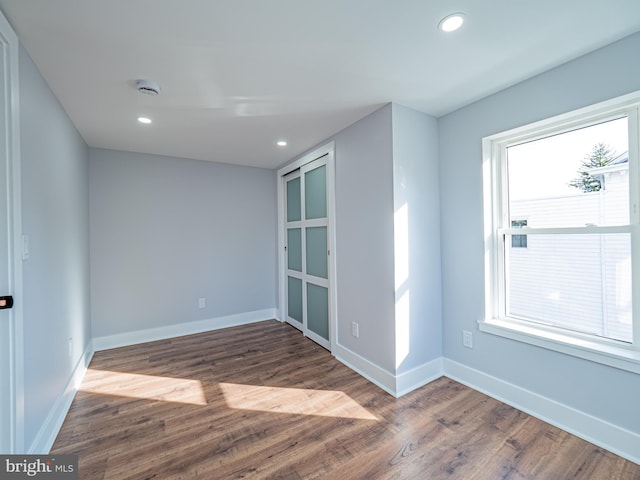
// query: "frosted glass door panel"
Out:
[294,299]
[315,198]
[294,249]
[317,251]
[294,206]
[318,310]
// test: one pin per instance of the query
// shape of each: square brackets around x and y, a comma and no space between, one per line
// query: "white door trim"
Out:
[327,150]
[11,161]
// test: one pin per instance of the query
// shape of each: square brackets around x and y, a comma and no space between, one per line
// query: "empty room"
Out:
[350,239]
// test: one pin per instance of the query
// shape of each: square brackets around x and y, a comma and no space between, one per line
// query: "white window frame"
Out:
[618,354]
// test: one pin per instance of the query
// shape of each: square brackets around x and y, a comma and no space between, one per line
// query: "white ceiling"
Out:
[237,75]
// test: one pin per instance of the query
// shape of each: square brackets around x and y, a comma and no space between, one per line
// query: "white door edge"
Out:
[10,161]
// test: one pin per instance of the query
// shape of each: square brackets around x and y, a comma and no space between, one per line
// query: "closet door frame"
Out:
[326,151]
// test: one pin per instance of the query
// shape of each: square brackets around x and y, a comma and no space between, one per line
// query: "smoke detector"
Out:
[148,87]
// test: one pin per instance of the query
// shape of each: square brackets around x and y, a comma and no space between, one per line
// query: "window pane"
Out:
[318,310]
[572,179]
[294,298]
[576,282]
[294,250]
[294,206]
[317,251]
[315,201]
[518,241]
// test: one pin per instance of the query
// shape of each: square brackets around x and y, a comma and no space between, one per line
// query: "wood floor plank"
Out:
[261,401]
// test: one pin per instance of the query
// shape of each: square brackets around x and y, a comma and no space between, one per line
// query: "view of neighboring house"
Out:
[551,282]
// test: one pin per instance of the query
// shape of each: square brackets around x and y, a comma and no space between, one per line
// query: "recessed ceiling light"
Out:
[452,22]
[145,120]
[281,143]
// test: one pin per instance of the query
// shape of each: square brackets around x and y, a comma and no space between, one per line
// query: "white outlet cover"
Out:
[355,329]
[467,339]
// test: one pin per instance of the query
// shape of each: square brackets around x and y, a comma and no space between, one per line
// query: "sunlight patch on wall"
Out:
[401,270]
[403,324]
[144,387]
[401,245]
[295,401]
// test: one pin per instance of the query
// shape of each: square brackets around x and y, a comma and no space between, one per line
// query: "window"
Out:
[562,230]
[518,241]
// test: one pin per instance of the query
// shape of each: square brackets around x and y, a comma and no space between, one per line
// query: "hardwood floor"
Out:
[261,401]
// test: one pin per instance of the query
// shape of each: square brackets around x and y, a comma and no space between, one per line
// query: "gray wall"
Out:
[166,231]
[605,392]
[384,162]
[364,237]
[55,215]
[416,189]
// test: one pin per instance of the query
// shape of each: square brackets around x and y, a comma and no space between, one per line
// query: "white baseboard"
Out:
[611,437]
[418,377]
[177,330]
[372,372]
[396,385]
[49,430]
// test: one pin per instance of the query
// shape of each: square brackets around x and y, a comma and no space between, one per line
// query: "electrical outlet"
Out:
[467,339]
[202,302]
[355,329]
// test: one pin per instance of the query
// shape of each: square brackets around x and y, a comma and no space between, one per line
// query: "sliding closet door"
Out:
[307,251]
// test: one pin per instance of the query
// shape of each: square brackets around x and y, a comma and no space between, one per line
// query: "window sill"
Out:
[607,354]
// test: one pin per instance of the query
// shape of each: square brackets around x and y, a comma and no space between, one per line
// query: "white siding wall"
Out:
[571,280]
